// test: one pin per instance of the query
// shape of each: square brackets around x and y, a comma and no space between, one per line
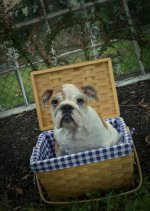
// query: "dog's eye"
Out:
[80,101]
[54,102]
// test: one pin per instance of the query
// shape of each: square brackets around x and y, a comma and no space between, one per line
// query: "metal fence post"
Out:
[82,2]
[48,30]
[136,45]
[92,41]
[19,79]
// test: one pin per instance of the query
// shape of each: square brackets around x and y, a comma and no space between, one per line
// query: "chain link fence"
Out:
[67,38]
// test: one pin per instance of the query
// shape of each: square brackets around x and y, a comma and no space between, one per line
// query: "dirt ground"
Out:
[18,134]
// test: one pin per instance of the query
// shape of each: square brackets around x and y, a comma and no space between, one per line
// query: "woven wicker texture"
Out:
[104,175]
[97,73]
[74,181]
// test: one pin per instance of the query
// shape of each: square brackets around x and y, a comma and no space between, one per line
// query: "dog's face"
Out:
[69,104]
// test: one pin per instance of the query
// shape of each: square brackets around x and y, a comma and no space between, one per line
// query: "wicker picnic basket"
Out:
[108,174]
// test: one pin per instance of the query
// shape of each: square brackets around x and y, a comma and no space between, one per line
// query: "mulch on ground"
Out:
[18,135]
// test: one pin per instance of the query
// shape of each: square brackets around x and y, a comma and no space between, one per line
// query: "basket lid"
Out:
[97,73]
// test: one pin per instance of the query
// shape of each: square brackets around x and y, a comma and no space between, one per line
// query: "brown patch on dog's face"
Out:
[68,93]
[90,92]
[56,98]
[69,104]
[52,95]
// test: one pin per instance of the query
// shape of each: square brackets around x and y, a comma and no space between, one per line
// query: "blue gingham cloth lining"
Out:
[43,157]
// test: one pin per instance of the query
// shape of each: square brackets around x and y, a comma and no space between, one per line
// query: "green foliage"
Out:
[10,89]
[140,11]
[138,201]
[9,86]
[107,21]
[47,39]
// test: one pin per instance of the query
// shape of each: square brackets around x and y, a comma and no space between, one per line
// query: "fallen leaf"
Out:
[8,186]
[141,101]
[144,105]
[25,177]
[19,191]
[17,208]
[124,102]
[132,92]
[147,140]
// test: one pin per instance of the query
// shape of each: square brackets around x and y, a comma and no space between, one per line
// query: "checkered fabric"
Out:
[43,157]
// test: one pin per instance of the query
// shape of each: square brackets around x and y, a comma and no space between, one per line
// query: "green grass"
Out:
[10,91]
[139,201]
[124,57]
[146,57]
[124,62]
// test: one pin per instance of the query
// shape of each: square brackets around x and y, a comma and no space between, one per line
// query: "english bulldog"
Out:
[78,127]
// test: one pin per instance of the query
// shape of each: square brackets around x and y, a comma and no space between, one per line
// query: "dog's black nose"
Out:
[66,108]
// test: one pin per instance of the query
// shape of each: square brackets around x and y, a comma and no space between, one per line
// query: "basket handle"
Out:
[98,199]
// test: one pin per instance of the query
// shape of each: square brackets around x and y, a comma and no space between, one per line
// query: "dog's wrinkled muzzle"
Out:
[68,113]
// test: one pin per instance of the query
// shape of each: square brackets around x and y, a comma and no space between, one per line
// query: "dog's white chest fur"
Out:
[92,135]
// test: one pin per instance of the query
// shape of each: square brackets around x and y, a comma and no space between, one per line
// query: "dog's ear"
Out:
[46,96]
[90,92]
